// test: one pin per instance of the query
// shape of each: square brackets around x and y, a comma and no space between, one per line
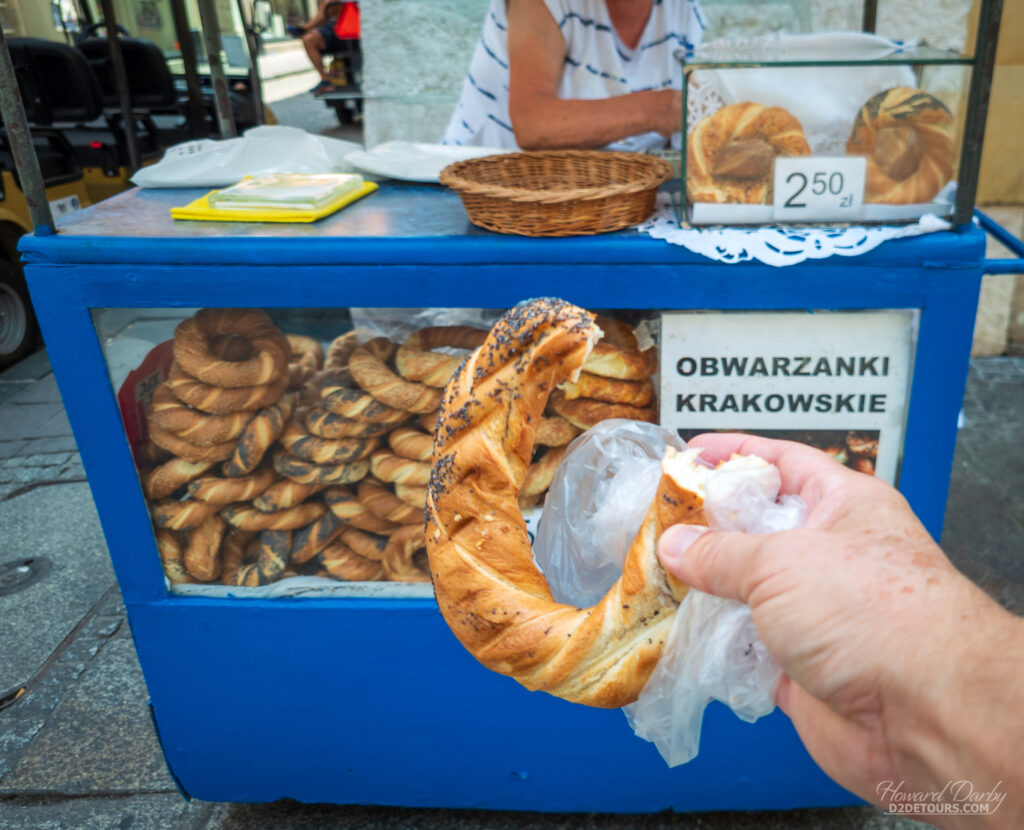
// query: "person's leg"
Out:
[314,42]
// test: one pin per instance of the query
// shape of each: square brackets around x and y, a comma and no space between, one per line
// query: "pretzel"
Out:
[247,517]
[202,554]
[326,424]
[359,406]
[344,504]
[428,420]
[227,490]
[283,494]
[411,495]
[730,154]
[555,431]
[169,546]
[369,369]
[340,349]
[339,561]
[160,482]
[617,332]
[907,136]
[219,401]
[400,561]
[268,348]
[186,449]
[609,390]
[151,455]
[308,541]
[306,472]
[312,389]
[384,504]
[584,412]
[272,558]
[611,361]
[411,443]
[324,450]
[305,350]
[190,424]
[487,587]
[416,361]
[539,476]
[234,553]
[180,515]
[397,470]
[367,545]
[258,436]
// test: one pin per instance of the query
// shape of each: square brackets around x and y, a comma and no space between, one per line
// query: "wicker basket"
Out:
[558,192]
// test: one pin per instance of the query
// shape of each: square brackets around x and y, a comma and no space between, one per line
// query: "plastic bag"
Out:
[595,506]
[273,149]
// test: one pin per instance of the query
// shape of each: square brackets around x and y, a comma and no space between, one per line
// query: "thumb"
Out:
[715,562]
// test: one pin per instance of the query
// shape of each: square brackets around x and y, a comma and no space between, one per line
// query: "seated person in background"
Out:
[576,73]
[318,37]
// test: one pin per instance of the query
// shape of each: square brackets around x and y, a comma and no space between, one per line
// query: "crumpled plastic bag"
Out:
[595,506]
[265,149]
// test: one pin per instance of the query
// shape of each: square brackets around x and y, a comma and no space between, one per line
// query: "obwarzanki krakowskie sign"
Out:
[835,380]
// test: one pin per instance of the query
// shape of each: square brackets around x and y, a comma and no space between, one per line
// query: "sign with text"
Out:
[819,188]
[836,380]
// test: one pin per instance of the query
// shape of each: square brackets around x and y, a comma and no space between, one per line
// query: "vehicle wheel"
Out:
[17,321]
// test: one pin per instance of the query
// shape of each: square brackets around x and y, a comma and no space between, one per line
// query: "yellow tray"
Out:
[200,210]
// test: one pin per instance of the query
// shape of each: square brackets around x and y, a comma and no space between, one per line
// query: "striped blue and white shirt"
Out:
[597,65]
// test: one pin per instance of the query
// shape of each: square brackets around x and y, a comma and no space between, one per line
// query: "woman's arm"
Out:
[542,120]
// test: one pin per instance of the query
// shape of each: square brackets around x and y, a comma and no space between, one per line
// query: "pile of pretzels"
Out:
[271,457]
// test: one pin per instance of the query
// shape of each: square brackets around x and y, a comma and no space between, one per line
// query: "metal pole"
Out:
[252,41]
[221,99]
[196,111]
[124,97]
[977,109]
[870,16]
[22,148]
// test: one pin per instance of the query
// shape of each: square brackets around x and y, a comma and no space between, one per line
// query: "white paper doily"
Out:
[778,245]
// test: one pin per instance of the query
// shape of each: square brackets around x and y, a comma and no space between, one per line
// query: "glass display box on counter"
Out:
[253,404]
[841,127]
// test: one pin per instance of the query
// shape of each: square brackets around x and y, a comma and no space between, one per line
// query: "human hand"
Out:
[893,662]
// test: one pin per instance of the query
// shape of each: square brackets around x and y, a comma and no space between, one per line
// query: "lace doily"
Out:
[778,246]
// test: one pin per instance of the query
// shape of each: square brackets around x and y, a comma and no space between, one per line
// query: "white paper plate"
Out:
[412,161]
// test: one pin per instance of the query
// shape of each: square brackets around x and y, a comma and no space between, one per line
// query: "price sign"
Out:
[819,188]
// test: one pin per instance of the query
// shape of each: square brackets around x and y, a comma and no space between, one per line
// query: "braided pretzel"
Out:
[151,455]
[411,443]
[367,545]
[202,554]
[186,449]
[283,494]
[539,476]
[609,390]
[359,406]
[369,369]
[339,561]
[324,450]
[384,504]
[247,517]
[308,541]
[416,361]
[617,332]
[401,564]
[193,339]
[340,350]
[171,475]
[611,361]
[312,390]
[555,431]
[428,420]
[258,436]
[397,470]
[180,515]
[192,425]
[234,553]
[584,413]
[219,401]
[344,504]
[169,547]
[272,558]
[488,589]
[326,424]
[730,154]
[222,491]
[413,496]
[306,472]
[907,136]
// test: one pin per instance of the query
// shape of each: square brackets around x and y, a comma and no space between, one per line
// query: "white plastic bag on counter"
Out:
[595,506]
[266,149]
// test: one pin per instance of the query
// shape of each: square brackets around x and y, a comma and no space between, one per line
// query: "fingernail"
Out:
[677,540]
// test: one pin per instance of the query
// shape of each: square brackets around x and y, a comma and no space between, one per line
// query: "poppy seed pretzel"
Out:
[258,436]
[488,589]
